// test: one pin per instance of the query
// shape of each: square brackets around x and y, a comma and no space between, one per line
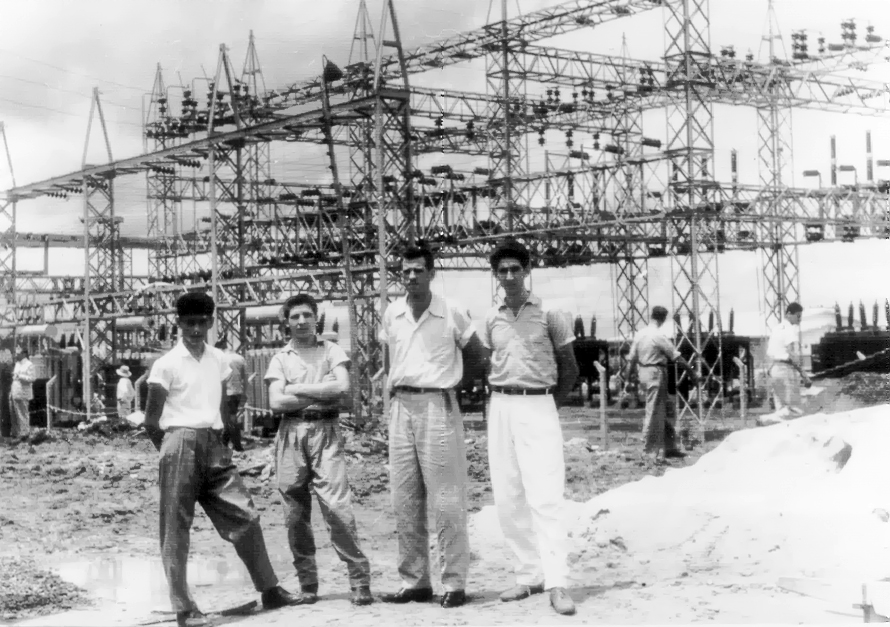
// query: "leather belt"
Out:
[523,391]
[311,414]
[413,390]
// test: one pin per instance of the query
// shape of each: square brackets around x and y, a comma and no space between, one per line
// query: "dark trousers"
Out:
[232,432]
[309,458]
[195,466]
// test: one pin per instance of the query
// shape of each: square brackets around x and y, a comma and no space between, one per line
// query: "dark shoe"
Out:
[519,592]
[454,598]
[192,618]
[407,595]
[675,454]
[362,596]
[276,597]
[561,601]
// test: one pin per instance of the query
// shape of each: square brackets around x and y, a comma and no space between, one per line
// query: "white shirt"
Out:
[23,376]
[125,390]
[652,347]
[784,342]
[194,388]
[426,353]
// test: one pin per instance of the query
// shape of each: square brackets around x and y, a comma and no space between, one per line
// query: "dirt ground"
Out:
[77,498]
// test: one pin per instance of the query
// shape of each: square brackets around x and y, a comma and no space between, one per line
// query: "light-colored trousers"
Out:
[20,417]
[309,458]
[785,385]
[660,423]
[525,454]
[428,469]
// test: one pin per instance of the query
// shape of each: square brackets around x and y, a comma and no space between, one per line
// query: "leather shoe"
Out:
[676,454]
[192,618]
[406,595]
[519,592]
[276,597]
[454,598]
[561,601]
[362,596]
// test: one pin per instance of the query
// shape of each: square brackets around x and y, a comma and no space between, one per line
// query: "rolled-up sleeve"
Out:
[275,370]
[161,374]
[560,328]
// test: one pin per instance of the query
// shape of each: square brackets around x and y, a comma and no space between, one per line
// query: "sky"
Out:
[53,53]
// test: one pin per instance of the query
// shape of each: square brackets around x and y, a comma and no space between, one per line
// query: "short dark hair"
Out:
[195,304]
[221,343]
[510,249]
[793,308]
[418,252]
[659,313]
[298,299]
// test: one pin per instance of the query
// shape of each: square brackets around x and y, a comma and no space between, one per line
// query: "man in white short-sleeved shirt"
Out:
[424,337]
[306,380]
[533,369]
[785,371]
[184,419]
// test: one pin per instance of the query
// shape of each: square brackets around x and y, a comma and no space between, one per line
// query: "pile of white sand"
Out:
[805,498]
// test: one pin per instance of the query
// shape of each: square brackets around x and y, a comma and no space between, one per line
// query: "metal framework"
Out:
[611,195]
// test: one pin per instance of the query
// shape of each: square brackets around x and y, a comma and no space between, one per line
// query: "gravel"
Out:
[27,590]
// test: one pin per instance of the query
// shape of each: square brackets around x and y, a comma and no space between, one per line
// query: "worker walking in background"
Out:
[533,370]
[652,352]
[785,369]
[235,398]
[21,393]
[126,393]
[307,380]
[424,336]
[184,417]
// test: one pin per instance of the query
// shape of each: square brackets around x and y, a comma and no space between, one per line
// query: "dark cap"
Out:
[194,304]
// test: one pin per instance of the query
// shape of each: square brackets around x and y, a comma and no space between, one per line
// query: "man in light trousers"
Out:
[785,371]
[21,393]
[654,352]
[424,335]
[307,379]
[533,369]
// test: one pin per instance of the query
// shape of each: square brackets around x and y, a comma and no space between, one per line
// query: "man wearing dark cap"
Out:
[184,417]
[653,351]
[533,369]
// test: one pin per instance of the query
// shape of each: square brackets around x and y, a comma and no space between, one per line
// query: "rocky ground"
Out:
[74,495]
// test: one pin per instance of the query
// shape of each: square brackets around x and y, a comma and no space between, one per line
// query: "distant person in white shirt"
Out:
[21,393]
[126,393]
[785,370]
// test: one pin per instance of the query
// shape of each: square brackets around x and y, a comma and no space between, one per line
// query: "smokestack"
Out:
[869,164]
[833,161]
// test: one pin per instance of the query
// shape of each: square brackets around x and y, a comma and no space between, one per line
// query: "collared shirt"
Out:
[425,353]
[305,365]
[235,383]
[651,347]
[194,388]
[784,342]
[23,376]
[523,347]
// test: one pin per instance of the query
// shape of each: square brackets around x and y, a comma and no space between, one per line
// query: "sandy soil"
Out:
[89,497]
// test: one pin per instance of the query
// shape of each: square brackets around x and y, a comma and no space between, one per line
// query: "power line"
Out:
[67,71]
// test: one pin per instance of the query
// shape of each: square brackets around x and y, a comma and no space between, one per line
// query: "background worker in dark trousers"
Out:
[307,379]
[653,352]
[184,418]
[533,369]
[234,395]
[424,335]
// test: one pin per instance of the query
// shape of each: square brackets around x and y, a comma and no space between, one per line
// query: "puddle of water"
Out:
[140,581]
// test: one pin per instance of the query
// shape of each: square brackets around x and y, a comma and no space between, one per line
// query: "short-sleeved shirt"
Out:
[426,353]
[194,388]
[523,347]
[23,388]
[651,347]
[235,383]
[305,365]
[784,342]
